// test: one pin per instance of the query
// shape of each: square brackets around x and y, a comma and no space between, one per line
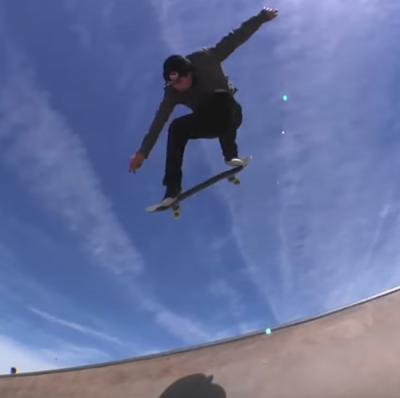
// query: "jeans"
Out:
[219,116]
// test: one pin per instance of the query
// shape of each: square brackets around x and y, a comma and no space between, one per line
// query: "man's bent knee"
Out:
[179,125]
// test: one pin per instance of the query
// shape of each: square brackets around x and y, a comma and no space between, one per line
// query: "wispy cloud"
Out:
[51,160]
[222,289]
[75,326]
[40,147]
[39,358]
[24,358]
[189,331]
[68,355]
[328,182]
[183,25]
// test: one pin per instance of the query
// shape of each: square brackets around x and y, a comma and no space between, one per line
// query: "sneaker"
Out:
[167,201]
[170,195]
[235,162]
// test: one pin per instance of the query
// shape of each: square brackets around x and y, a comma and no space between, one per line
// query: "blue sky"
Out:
[87,276]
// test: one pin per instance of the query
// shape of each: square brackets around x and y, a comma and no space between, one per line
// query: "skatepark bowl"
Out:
[350,352]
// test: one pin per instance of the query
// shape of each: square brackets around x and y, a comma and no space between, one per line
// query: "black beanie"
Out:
[178,64]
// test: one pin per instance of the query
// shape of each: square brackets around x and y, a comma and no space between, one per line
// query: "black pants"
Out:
[219,116]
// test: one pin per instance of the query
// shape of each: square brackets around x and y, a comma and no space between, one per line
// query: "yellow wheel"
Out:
[177,212]
[234,180]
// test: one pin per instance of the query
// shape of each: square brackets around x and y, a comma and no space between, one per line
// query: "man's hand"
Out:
[269,13]
[136,162]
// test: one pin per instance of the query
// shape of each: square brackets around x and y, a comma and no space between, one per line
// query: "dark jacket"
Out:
[209,76]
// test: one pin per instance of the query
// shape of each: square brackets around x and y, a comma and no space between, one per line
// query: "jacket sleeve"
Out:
[163,113]
[229,43]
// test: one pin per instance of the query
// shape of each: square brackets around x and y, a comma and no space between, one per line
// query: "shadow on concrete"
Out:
[194,386]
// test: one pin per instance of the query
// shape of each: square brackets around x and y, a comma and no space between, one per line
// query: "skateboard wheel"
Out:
[234,180]
[177,212]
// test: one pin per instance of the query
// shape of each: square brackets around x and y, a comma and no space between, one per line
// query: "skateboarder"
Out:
[199,82]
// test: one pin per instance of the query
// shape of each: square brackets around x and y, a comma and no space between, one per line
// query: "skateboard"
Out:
[229,175]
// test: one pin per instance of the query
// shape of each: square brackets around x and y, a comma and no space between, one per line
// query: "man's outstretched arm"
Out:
[228,44]
[162,115]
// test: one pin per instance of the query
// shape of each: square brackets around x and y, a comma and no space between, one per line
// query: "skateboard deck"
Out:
[229,174]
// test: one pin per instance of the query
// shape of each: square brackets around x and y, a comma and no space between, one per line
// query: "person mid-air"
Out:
[198,81]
